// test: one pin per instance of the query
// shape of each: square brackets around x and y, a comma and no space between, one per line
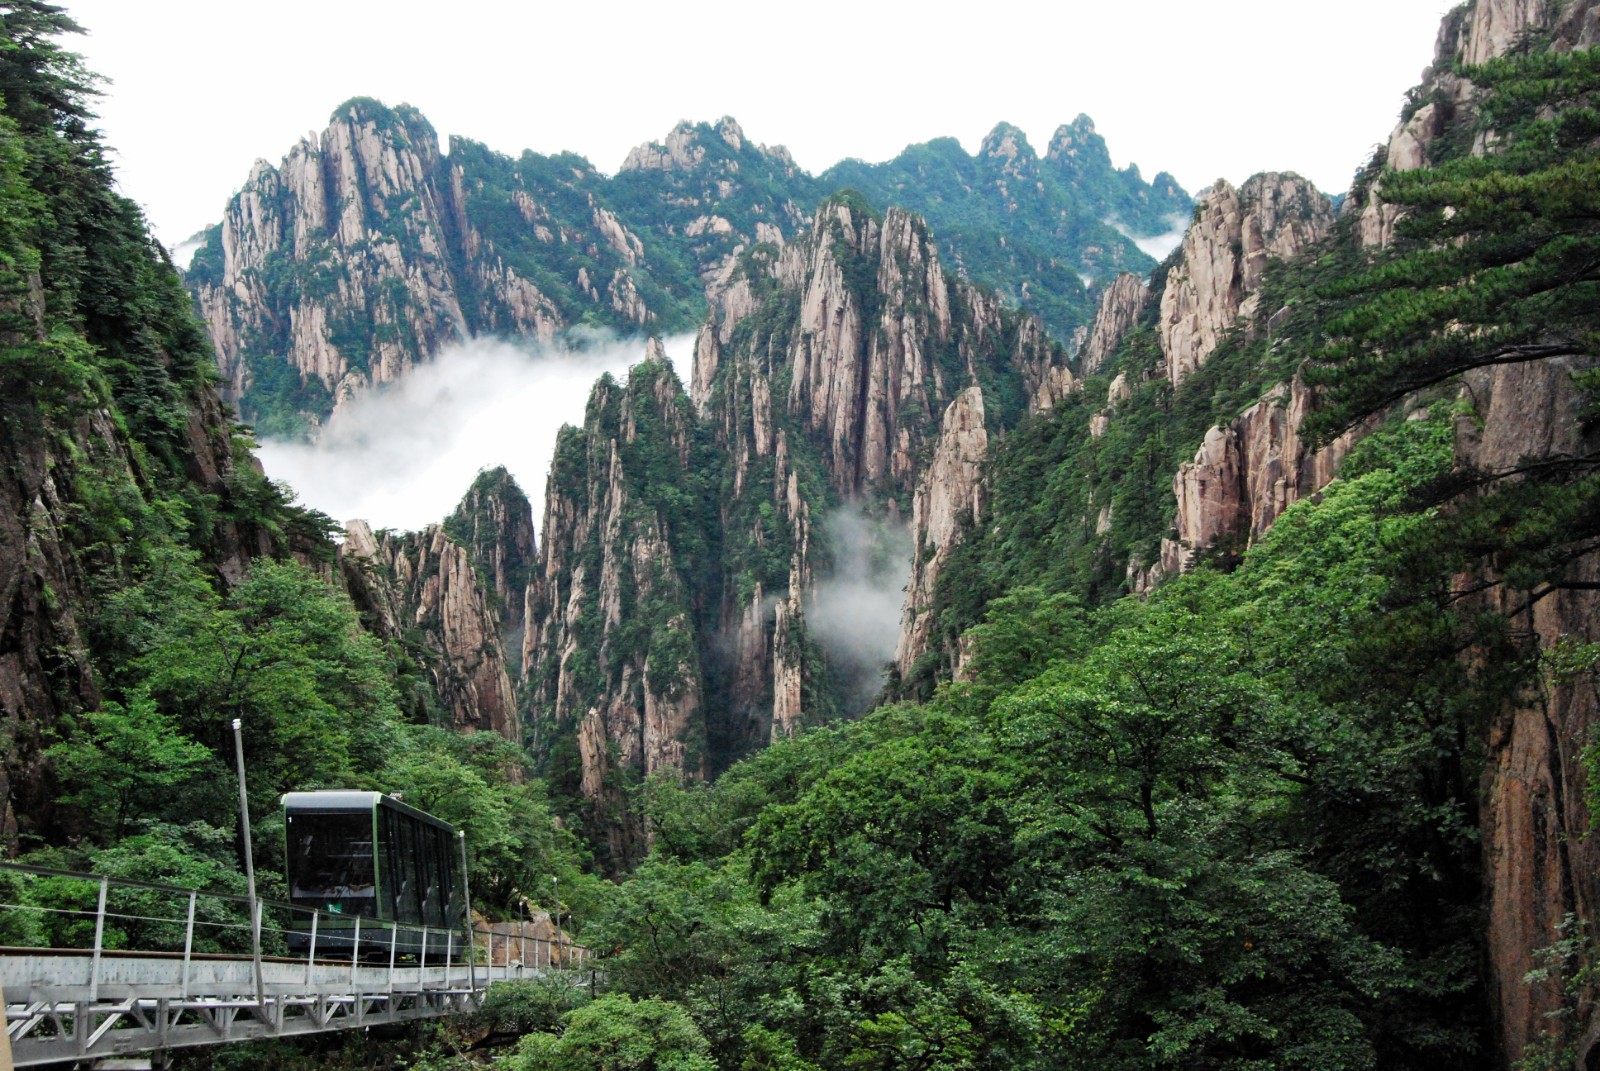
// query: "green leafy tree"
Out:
[618,1033]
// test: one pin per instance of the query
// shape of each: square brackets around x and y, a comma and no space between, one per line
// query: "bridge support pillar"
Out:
[5,1039]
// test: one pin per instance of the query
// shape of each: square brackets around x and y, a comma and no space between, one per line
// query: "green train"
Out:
[371,865]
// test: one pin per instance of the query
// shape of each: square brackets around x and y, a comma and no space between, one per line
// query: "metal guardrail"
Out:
[95,966]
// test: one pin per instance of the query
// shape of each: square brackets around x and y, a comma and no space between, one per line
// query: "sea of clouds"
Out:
[402,456]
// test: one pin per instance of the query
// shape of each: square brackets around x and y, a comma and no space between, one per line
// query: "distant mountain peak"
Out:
[731,132]
[688,145]
[1007,141]
[1078,143]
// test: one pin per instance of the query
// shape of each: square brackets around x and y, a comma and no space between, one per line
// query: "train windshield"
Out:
[331,861]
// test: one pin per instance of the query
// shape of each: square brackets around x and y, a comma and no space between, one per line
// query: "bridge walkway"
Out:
[148,979]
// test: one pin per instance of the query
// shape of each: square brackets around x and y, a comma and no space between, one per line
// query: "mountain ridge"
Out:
[368,248]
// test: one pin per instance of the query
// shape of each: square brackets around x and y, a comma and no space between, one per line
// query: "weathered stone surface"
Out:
[880,344]
[1120,308]
[366,251]
[363,213]
[1471,34]
[609,598]
[1246,473]
[495,523]
[424,582]
[46,676]
[949,497]
[1225,253]
[1541,862]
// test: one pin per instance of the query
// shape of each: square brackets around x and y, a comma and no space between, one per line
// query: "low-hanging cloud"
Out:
[1157,246]
[402,456]
[855,611]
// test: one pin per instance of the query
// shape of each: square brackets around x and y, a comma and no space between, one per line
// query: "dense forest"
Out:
[1249,810]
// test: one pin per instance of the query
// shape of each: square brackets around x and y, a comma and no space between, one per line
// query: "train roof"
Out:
[352,800]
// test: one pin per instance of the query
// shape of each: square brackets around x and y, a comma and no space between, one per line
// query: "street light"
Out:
[249,867]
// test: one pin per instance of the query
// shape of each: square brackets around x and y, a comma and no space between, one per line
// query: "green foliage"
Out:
[617,1033]
[1025,227]
[512,1009]
[1230,827]
[1494,263]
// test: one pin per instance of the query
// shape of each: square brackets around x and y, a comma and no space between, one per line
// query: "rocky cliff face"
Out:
[949,499]
[875,339]
[366,251]
[1472,34]
[359,222]
[1540,863]
[612,664]
[717,193]
[1540,859]
[1248,472]
[422,590]
[1225,253]
[1121,305]
[47,591]
[892,367]
[495,523]
[834,371]
[115,452]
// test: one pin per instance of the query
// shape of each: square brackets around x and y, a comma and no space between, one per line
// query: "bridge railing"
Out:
[44,908]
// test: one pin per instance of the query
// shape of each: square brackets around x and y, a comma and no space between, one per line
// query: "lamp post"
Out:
[472,934]
[555,910]
[249,866]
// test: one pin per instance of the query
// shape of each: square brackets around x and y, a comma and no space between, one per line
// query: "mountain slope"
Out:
[1042,232]
[707,551]
[1258,725]
[366,250]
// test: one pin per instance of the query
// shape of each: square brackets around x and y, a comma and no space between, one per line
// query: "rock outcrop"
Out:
[1471,34]
[366,251]
[949,500]
[835,369]
[1541,861]
[1247,472]
[359,220]
[424,584]
[1541,864]
[1225,253]
[876,344]
[495,523]
[1121,305]
[612,663]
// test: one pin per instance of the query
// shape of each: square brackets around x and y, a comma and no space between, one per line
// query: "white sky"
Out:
[1202,88]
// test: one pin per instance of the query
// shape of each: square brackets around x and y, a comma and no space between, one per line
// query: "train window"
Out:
[331,863]
[407,905]
[429,881]
[441,849]
[393,873]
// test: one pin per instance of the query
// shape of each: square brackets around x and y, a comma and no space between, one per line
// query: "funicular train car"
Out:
[371,865]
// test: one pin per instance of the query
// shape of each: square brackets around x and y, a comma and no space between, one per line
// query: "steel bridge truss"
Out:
[91,1001]
[55,1012]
